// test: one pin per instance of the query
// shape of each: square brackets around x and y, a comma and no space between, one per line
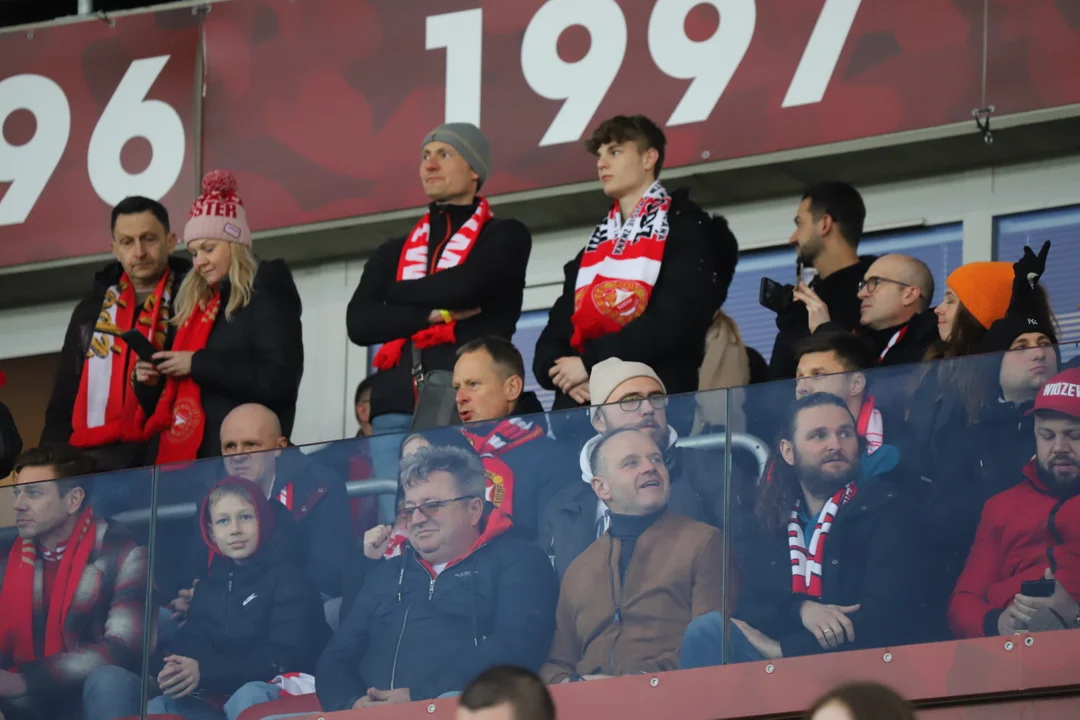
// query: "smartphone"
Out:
[138,343]
[1038,588]
[774,296]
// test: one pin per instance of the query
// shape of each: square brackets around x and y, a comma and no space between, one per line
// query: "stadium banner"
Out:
[90,113]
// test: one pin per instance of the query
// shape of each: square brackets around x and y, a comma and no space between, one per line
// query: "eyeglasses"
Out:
[630,403]
[871,283]
[428,509]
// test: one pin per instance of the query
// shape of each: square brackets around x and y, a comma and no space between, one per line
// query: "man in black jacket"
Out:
[828,226]
[525,467]
[92,395]
[457,276]
[645,286]
[832,556]
[463,596]
[632,396]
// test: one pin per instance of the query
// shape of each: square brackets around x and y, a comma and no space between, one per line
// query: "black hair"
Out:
[625,128]
[363,387]
[73,467]
[866,701]
[135,204]
[853,351]
[502,684]
[843,204]
[504,355]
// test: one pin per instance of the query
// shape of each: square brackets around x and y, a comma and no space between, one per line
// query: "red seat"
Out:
[282,706]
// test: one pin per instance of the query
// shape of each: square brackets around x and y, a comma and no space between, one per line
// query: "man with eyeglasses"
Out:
[629,395]
[894,312]
[463,596]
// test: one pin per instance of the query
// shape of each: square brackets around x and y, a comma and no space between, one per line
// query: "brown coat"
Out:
[675,575]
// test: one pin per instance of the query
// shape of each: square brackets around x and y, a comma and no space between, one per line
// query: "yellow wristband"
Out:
[446,316]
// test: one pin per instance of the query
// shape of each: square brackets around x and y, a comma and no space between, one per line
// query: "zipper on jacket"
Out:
[618,609]
[431,587]
[397,650]
[229,602]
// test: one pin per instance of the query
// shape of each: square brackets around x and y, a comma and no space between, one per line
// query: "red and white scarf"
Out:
[413,265]
[18,600]
[105,405]
[871,426]
[619,268]
[806,559]
[504,436]
[179,415]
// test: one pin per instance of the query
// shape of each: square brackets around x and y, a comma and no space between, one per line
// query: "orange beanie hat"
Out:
[984,288]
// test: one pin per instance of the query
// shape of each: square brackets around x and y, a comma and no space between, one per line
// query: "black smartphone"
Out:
[137,342]
[1038,588]
[774,296]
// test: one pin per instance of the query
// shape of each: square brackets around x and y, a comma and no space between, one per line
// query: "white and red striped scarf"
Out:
[506,435]
[105,406]
[871,426]
[619,268]
[806,559]
[413,265]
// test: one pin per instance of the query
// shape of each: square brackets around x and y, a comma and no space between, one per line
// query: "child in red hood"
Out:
[255,616]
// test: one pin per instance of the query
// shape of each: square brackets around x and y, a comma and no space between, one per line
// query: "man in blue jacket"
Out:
[464,595]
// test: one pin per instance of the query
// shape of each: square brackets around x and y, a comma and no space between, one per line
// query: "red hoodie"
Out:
[1022,532]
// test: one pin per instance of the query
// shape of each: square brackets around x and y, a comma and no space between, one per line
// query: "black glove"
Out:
[1029,269]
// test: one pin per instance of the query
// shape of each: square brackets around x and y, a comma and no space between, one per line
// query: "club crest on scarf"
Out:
[619,268]
[504,436]
[806,560]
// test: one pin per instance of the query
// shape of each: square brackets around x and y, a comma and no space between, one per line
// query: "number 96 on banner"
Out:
[128,114]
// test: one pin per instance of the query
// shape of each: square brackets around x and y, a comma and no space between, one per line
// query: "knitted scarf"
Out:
[413,264]
[503,437]
[619,268]
[806,559]
[179,416]
[105,406]
[17,596]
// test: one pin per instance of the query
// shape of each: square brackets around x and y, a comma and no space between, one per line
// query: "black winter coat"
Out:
[11,443]
[874,556]
[669,336]
[491,278]
[69,371]
[839,292]
[407,630]
[257,357]
[253,621]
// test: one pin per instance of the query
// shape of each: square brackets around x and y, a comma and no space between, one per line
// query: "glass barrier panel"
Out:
[75,589]
[902,505]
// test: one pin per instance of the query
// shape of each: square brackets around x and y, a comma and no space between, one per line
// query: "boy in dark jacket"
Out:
[253,617]
[646,285]
[464,595]
[831,562]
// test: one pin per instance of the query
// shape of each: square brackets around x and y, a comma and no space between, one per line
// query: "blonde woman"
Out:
[239,338]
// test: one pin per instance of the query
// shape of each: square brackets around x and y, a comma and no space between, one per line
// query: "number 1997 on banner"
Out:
[582,85]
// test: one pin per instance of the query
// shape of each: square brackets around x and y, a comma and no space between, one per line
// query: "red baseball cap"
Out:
[1061,394]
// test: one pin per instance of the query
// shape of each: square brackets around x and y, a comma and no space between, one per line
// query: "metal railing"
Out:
[739,441]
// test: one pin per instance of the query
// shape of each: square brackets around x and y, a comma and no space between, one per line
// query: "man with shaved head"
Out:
[255,449]
[627,600]
[894,313]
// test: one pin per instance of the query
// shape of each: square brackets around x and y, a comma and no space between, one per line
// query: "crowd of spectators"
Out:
[921,486]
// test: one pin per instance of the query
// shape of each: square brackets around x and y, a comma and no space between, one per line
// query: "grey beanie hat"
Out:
[467,139]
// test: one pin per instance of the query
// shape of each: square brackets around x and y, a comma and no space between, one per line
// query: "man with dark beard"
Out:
[830,560]
[1023,572]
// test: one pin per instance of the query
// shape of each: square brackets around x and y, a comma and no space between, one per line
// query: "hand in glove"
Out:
[1030,268]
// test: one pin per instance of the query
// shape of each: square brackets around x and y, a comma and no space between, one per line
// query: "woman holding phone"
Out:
[239,336]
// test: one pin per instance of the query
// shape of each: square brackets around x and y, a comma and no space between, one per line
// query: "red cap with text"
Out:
[1061,394]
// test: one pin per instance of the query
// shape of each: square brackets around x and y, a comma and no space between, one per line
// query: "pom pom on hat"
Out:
[220,182]
[218,214]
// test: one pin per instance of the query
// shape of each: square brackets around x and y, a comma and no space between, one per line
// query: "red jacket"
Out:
[1022,532]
